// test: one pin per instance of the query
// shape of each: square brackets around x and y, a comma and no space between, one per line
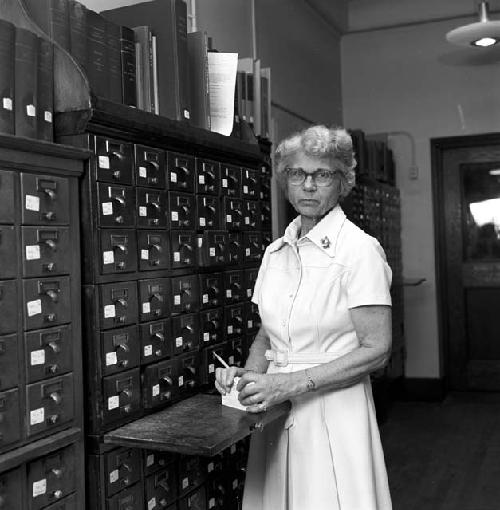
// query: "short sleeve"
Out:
[260,277]
[369,276]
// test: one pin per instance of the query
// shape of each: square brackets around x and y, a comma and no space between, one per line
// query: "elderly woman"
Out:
[323,296]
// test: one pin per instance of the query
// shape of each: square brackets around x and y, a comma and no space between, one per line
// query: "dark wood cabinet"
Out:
[41,411]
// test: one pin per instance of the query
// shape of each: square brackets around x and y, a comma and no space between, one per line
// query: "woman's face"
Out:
[309,199]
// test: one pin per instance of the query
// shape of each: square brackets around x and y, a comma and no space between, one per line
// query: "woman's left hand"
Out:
[258,392]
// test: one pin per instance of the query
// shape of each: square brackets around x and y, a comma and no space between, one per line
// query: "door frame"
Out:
[438,147]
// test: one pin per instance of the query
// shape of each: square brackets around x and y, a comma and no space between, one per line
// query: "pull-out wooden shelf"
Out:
[199,425]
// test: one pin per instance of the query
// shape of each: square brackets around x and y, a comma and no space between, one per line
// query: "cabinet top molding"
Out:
[120,121]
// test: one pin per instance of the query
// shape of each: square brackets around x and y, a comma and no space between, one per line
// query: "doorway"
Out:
[466,194]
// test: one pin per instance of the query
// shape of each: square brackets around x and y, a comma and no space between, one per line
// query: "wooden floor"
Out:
[444,456]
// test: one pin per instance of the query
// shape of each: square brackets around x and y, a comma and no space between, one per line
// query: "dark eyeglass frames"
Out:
[321,176]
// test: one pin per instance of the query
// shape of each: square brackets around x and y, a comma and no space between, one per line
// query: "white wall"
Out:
[410,78]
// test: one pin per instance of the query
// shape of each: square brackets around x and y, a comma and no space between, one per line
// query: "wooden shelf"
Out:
[199,425]
[113,119]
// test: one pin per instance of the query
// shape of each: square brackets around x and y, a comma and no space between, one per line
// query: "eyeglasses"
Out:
[321,176]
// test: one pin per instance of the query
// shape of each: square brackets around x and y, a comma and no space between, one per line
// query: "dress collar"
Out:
[324,234]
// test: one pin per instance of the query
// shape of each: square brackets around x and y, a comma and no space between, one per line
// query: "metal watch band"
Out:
[311,385]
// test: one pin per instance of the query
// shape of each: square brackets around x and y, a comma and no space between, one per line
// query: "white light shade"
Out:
[468,35]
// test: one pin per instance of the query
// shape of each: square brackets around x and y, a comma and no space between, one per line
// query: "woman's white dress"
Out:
[327,454]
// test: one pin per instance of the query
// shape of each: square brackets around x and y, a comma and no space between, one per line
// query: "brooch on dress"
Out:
[325,242]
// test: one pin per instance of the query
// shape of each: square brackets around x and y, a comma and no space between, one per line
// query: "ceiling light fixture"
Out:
[481,34]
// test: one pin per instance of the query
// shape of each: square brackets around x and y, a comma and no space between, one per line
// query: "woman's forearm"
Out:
[256,361]
[373,328]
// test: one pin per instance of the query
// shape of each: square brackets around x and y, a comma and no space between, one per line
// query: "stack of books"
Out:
[26,83]
[253,96]
[139,55]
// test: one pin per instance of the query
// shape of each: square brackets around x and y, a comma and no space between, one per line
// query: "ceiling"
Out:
[345,16]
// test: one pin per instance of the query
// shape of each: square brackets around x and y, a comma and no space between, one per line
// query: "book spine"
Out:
[59,22]
[241,88]
[113,59]
[263,107]
[128,66]
[78,32]
[198,79]
[45,107]
[25,92]
[7,59]
[156,100]
[250,99]
[257,99]
[139,90]
[179,19]
[144,37]
[96,56]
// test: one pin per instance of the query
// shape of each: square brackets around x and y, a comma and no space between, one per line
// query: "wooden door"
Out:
[466,178]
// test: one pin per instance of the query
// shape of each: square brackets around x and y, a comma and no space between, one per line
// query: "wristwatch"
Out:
[311,385]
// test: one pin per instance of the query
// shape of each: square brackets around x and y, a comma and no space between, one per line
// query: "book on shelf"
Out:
[113,61]
[25,83]
[241,87]
[7,65]
[128,66]
[156,91]
[96,65]
[139,85]
[78,32]
[145,62]
[167,20]
[246,67]
[198,79]
[256,98]
[265,104]
[52,16]
[45,90]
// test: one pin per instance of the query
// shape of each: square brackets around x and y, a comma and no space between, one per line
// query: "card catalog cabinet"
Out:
[171,222]
[41,408]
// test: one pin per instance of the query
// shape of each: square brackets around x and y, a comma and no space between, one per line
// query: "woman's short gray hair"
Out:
[333,143]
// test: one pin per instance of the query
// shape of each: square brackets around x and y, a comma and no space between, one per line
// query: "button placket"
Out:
[293,294]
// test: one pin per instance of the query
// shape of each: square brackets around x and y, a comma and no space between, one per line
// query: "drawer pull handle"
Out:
[52,195]
[52,369]
[53,295]
[50,215]
[57,472]
[121,247]
[168,380]
[117,155]
[55,347]
[58,494]
[160,336]
[119,199]
[56,397]
[51,244]
[122,302]
[126,393]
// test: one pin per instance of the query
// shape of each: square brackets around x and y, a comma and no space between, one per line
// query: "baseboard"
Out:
[423,389]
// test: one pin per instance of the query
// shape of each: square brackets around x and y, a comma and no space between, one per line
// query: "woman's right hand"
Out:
[224,378]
